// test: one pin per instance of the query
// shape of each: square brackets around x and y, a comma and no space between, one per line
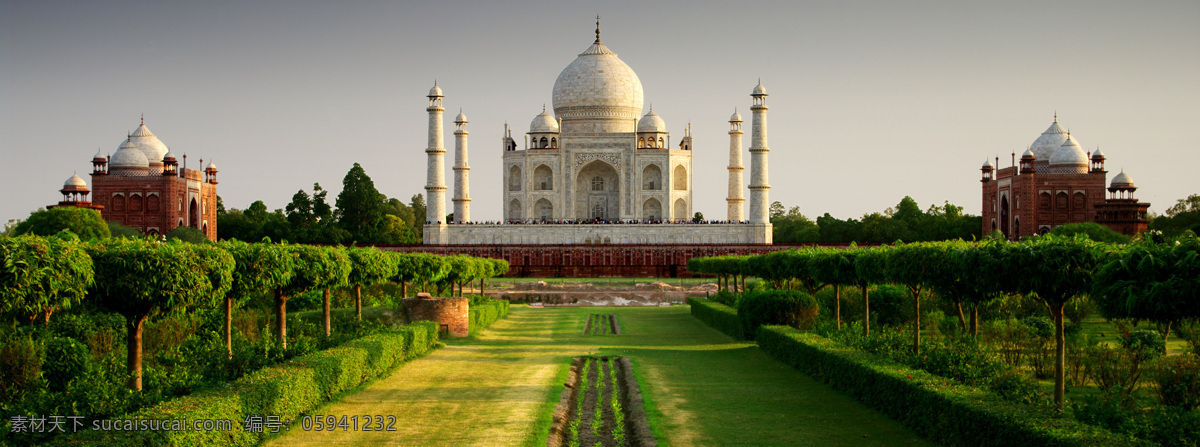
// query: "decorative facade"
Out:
[142,185]
[596,170]
[1055,183]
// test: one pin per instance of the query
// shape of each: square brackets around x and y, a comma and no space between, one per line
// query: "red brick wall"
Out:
[450,313]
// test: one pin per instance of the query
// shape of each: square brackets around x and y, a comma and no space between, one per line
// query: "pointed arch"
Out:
[652,209]
[680,209]
[543,178]
[514,178]
[544,210]
[652,178]
[679,178]
[514,210]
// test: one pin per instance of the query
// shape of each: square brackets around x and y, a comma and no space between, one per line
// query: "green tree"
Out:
[418,208]
[360,206]
[84,222]
[1055,270]
[1184,215]
[836,267]
[1093,231]
[142,279]
[419,269]
[909,265]
[116,229]
[368,266]
[870,266]
[698,217]
[1152,280]
[39,276]
[776,209]
[187,234]
[259,268]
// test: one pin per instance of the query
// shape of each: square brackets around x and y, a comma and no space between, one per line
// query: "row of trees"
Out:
[1155,278]
[906,222]
[143,279]
[359,214]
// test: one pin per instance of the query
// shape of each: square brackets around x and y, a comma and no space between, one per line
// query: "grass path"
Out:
[701,388]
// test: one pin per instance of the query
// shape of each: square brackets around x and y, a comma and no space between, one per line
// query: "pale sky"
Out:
[870,101]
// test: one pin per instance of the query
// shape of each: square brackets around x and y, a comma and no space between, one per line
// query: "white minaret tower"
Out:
[735,169]
[435,185]
[759,188]
[462,191]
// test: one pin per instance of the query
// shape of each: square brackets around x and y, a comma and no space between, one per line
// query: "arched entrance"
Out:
[194,215]
[1004,217]
[597,192]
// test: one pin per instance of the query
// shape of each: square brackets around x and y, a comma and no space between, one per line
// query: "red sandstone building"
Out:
[1056,182]
[143,186]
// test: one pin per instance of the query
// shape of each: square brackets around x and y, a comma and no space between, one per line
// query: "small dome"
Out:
[1097,154]
[652,123]
[543,123]
[148,143]
[75,183]
[129,156]
[435,91]
[170,156]
[1028,153]
[1049,141]
[1069,156]
[1122,180]
[988,164]
[735,118]
[99,156]
[461,118]
[211,166]
[759,90]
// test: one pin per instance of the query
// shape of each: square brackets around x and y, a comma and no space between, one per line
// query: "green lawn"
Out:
[701,388]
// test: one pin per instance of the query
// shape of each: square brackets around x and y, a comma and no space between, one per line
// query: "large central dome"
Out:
[598,85]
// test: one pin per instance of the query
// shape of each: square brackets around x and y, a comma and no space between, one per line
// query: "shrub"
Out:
[942,411]
[718,316]
[1178,380]
[1013,386]
[484,311]
[725,297]
[891,305]
[778,307]
[20,367]
[963,359]
[66,358]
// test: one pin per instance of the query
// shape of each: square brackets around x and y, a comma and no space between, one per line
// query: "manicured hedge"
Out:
[287,391]
[487,312]
[719,316]
[937,408]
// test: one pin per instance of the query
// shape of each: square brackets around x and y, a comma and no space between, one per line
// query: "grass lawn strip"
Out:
[700,387]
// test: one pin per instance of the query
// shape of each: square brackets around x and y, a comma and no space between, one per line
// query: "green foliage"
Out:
[370,266]
[318,268]
[1178,381]
[360,206]
[289,391]
[39,276]
[906,222]
[84,222]
[1156,280]
[1181,217]
[66,358]
[890,305]
[779,307]
[259,268]
[719,316]
[1091,230]
[117,229]
[1163,425]
[484,311]
[187,234]
[420,268]
[140,278]
[21,362]
[942,411]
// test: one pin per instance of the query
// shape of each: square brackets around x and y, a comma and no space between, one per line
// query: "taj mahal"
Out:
[597,171]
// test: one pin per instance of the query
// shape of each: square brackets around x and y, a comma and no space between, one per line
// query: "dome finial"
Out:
[143,119]
[543,107]
[597,28]
[1056,116]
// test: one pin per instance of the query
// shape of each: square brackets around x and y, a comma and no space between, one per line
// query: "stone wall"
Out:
[565,234]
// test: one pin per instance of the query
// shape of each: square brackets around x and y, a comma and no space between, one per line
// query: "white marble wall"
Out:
[476,234]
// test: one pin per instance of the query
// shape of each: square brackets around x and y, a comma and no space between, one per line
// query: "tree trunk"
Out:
[837,304]
[46,316]
[975,320]
[403,290]
[916,293]
[358,302]
[1060,355]
[229,325]
[866,293]
[961,318]
[133,326]
[325,311]
[481,282]
[281,316]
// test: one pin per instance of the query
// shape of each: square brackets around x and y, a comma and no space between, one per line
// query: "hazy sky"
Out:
[870,101]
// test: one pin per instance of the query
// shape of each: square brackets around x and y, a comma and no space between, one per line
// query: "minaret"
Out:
[759,188]
[735,199]
[435,185]
[462,191]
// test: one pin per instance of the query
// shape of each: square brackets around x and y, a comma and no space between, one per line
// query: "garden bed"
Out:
[600,406]
[602,324]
